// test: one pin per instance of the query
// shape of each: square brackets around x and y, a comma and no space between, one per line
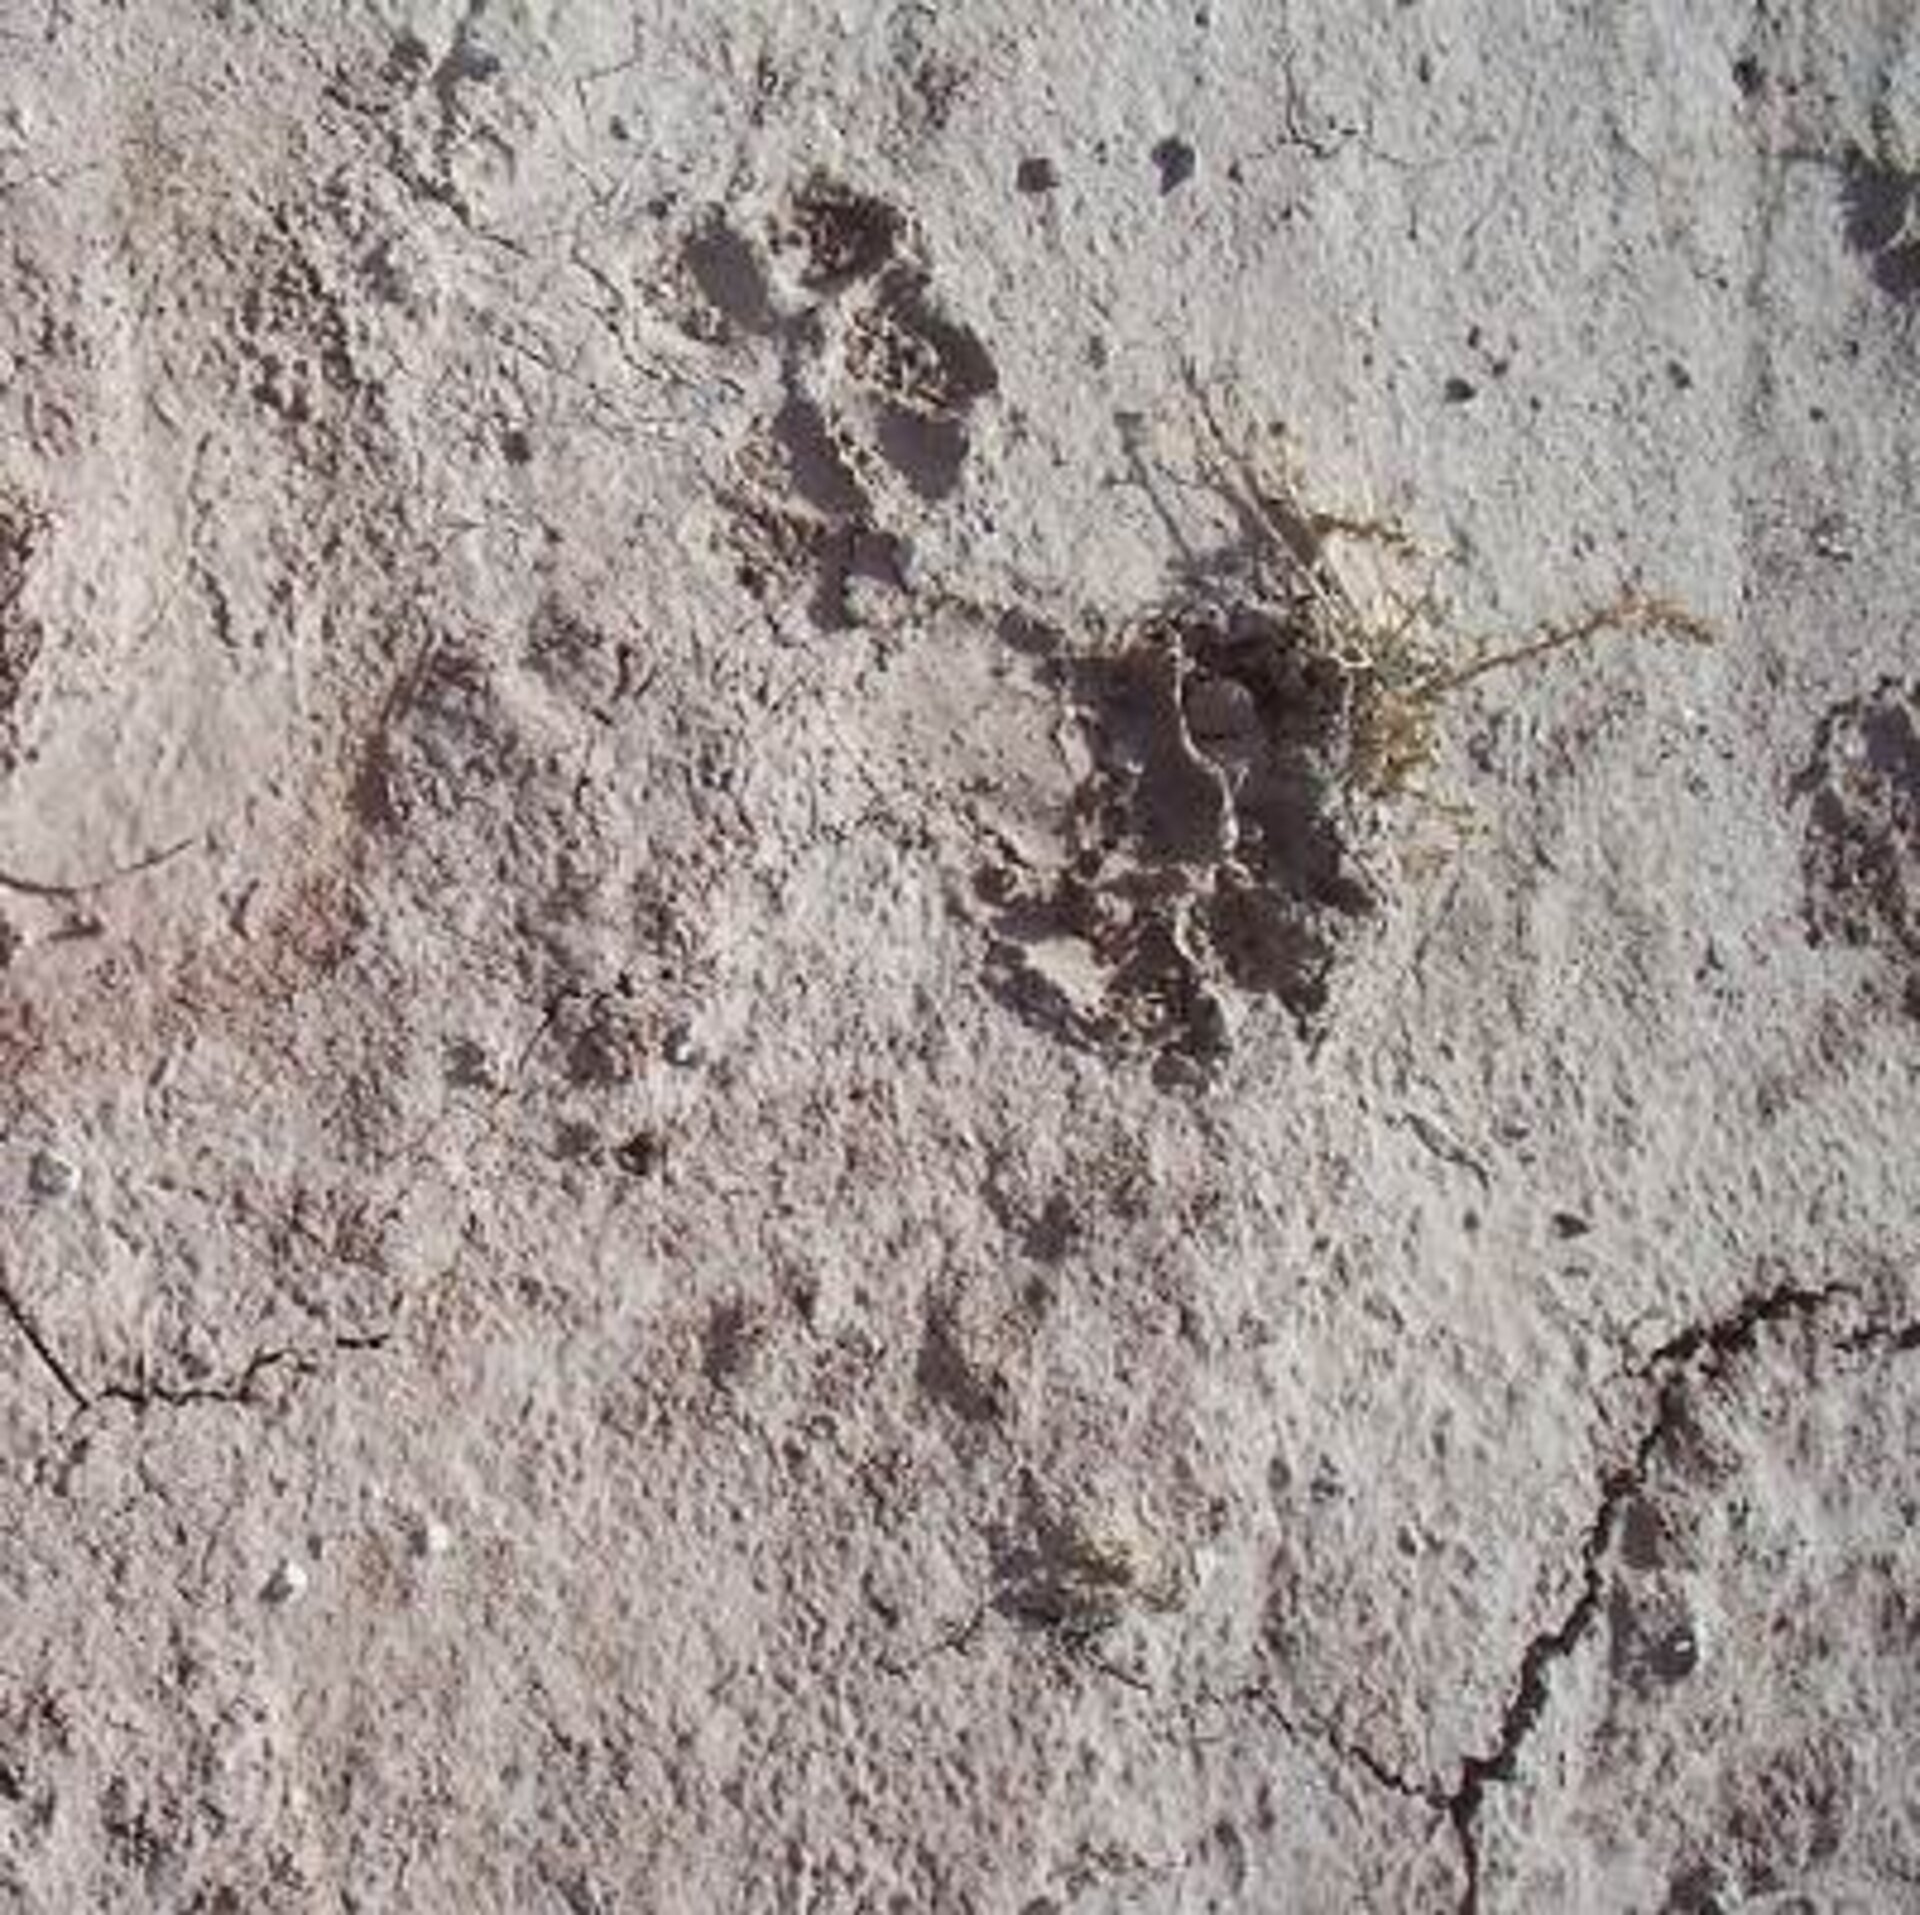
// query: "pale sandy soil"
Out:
[757,1152]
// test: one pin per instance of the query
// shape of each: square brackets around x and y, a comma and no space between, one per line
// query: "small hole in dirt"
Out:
[1696,1891]
[728,1343]
[947,1373]
[408,60]
[959,370]
[575,1142]
[644,1154]
[1174,159]
[468,1065]
[1031,637]
[1051,1236]
[1036,175]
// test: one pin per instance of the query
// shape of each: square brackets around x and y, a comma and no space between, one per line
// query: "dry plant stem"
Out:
[1400,696]
[1632,612]
[1337,525]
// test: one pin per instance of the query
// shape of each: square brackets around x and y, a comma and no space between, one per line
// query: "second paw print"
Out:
[878,383]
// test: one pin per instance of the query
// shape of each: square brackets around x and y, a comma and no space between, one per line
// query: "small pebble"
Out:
[288,1583]
[432,1538]
[681,1049]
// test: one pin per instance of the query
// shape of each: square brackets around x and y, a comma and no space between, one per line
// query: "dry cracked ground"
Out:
[803,1104]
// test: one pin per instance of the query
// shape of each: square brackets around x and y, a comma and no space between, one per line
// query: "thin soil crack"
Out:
[1697,1354]
[1349,1753]
[49,1357]
[88,887]
[241,1388]
[1694,1356]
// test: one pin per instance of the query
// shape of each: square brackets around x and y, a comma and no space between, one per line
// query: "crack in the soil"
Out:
[72,890]
[30,1333]
[241,1388]
[1893,1339]
[1351,1754]
[1695,1355]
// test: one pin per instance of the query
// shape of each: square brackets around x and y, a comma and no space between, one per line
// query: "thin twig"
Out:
[1633,613]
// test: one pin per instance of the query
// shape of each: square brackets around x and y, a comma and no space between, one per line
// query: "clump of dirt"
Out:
[1079,1576]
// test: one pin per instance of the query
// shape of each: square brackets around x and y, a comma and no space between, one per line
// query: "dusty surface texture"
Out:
[749,1157]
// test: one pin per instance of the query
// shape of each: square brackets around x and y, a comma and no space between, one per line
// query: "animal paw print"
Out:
[1211,851]
[878,384]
